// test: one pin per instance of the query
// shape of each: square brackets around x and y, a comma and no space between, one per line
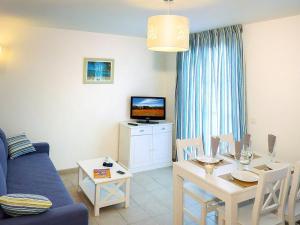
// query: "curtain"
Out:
[210,89]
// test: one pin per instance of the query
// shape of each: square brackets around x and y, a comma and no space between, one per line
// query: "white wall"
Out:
[272,51]
[41,89]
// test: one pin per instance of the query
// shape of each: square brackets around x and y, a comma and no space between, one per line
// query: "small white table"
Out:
[103,192]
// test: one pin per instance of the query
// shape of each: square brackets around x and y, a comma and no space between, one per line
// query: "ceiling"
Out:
[129,17]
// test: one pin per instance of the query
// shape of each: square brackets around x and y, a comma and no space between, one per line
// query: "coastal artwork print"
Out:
[98,71]
[148,107]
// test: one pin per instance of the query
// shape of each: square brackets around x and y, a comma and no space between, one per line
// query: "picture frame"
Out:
[98,71]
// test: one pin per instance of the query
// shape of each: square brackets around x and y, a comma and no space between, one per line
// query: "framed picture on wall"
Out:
[98,71]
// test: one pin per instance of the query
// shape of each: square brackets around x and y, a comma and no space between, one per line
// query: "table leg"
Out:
[177,199]
[231,213]
[127,193]
[97,200]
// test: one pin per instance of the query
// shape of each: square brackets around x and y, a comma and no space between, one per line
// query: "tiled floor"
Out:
[150,201]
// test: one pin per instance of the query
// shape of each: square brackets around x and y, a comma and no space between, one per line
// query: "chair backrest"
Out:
[294,193]
[189,147]
[229,140]
[271,193]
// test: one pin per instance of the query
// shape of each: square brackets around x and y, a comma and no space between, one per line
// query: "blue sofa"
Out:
[34,173]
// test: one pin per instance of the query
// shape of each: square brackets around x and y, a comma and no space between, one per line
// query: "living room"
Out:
[46,50]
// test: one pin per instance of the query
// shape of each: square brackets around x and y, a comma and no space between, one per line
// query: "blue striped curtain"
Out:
[210,90]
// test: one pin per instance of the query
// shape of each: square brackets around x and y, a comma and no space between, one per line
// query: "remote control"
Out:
[133,124]
[120,172]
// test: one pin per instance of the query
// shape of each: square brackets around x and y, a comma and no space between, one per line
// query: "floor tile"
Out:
[165,219]
[155,208]
[143,179]
[133,214]
[142,198]
[136,188]
[164,196]
[109,216]
[150,221]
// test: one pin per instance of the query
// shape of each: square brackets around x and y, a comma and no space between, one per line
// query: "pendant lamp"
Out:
[168,33]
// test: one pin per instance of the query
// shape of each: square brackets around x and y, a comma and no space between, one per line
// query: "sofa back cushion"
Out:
[19,145]
[3,138]
[3,158]
[24,204]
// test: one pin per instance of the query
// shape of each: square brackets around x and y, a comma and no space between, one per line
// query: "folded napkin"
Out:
[246,140]
[237,149]
[271,142]
[214,145]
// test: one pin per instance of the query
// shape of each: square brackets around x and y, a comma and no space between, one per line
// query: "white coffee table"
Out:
[103,192]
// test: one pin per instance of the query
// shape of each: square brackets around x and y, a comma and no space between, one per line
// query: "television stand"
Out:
[147,121]
[145,147]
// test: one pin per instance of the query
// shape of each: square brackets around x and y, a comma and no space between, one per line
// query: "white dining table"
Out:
[227,191]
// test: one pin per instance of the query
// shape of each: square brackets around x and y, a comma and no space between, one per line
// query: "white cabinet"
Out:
[145,147]
[141,150]
[162,142]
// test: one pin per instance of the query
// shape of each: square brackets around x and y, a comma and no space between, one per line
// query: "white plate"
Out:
[209,160]
[244,175]
[275,166]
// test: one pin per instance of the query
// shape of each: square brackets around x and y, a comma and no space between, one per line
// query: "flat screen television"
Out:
[146,109]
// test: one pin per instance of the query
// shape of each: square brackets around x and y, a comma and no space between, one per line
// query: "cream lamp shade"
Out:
[168,33]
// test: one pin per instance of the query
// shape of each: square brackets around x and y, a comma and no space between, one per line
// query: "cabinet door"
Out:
[162,147]
[141,149]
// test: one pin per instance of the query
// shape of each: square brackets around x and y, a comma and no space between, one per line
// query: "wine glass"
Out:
[271,146]
[237,153]
[226,149]
[272,156]
[246,155]
[250,151]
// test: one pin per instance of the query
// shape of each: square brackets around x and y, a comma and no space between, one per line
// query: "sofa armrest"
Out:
[41,147]
[76,214]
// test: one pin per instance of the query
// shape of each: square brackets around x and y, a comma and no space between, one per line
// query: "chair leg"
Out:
[292,221]
[221,220]
[203,215]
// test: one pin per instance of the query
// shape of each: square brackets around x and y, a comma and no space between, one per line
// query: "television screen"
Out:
[148,108]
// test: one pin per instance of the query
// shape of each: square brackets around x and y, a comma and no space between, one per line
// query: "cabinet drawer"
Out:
[141,131]
[162,128]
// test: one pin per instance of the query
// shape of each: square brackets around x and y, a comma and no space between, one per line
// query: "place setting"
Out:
[243,176]
[212,161]
[230,153]
[272,164]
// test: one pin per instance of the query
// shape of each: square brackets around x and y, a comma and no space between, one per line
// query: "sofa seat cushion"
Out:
[3,190]
[35,174]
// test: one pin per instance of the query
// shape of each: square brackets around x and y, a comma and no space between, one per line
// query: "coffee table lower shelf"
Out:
[107,199]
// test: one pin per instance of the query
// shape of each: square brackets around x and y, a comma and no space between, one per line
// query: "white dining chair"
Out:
[292,212]
[270,198]
[190,149]
[228,139]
